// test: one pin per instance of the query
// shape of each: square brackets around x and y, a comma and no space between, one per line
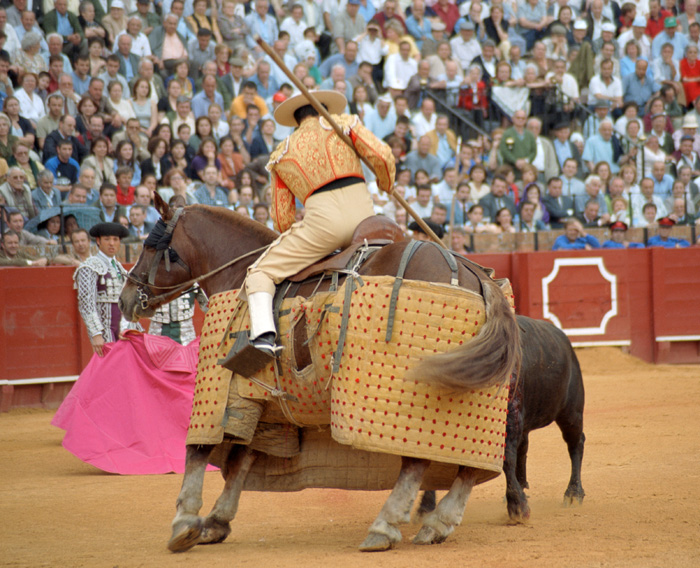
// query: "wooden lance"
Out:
[344,137]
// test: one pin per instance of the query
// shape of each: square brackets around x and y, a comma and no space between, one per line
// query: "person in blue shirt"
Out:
[664,238]
[64,168]
[617,239]
[575,238]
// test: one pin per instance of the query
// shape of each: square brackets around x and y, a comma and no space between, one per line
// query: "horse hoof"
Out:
[214,532]
[376,542]
[428,535]
[185,535]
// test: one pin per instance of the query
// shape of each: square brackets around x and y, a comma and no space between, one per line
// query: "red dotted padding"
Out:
[373,408]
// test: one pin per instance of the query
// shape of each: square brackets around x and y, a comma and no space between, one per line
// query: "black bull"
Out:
[549,389]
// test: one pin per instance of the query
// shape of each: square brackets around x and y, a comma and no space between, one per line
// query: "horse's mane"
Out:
[249,226]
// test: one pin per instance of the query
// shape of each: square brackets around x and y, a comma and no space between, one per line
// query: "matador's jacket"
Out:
[314,155]
[99,281]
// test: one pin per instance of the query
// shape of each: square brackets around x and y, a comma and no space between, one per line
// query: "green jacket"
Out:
[51,23]
[99,12]
[521,148]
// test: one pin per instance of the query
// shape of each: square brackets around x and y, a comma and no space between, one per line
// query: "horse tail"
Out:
[488,359]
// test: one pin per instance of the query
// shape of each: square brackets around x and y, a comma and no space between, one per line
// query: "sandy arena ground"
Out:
[640,474]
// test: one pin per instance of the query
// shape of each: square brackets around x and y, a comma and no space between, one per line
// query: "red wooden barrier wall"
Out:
[645,300]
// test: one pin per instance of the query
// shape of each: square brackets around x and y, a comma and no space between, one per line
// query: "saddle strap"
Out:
[451,262]
[408,253]
[349,289]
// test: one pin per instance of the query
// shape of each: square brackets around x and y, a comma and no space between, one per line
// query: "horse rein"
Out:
[143,289]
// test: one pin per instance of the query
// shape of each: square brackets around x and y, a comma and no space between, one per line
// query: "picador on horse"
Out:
[412,334]
[316,167]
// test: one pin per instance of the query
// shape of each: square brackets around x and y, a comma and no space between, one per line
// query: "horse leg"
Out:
[572,432]
[439,524]
[384,533]
[187,526]
[217,525]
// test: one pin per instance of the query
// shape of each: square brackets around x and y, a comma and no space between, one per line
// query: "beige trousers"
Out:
[330,221]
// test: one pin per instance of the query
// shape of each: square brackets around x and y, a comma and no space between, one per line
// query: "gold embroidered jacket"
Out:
[314,155]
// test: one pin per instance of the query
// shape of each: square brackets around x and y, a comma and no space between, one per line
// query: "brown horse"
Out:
[203,240]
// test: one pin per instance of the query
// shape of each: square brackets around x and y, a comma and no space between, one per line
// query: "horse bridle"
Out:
[163,252]
[143,289]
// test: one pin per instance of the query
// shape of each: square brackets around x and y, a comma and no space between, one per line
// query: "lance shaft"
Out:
[339,131]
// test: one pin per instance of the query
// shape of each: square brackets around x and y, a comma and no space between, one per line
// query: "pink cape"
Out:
[129,411]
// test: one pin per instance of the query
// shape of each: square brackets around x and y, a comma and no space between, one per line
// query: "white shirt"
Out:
[444,193]
[465,52]
[422,125]
[638,202]
[12,43]
[598,87]
[423,211]
[371,51]
[569,85]
[644,43]
[139,46]
[31,107]
[398,72]
[538,162]
[621,125]
[294,29]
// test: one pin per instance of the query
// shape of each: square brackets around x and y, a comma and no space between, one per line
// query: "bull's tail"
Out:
[487,360]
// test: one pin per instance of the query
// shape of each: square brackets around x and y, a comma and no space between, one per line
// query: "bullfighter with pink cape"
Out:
[129,411]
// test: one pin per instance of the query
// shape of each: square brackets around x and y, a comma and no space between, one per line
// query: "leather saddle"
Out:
[377,230]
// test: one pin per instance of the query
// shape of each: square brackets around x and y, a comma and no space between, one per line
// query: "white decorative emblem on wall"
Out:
[547,280]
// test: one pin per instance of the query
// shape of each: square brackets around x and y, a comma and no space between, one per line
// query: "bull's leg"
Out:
[384,532]
[187,526]
[427,505]
[217,524]
[573,435]
[518,508]
[521,465]
[439,524]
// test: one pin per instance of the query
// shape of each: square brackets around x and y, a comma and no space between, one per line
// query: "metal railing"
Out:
[455,116]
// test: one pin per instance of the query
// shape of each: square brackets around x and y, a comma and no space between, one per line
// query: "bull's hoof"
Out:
[519,513]
[376,542]
[186,535]
[428,535]
[214,532]
[573,497]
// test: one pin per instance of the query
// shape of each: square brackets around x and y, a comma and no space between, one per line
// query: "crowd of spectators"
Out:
[504,116]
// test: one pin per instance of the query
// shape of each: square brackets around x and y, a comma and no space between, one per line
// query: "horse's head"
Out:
[162,268]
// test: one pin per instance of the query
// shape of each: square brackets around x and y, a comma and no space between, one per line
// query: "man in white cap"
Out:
[607,35]
[465,47]
[439,34]
[115,21]
[689,127]
[319,170]
[638,34]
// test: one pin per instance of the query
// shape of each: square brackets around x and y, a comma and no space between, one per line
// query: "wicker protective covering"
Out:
[374,409]
[367,403]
